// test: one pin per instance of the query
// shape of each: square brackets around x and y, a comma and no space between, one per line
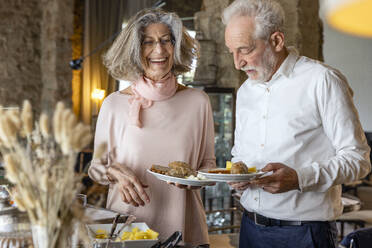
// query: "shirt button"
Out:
[255,198]
[267,89]
[264,117]
[262,145]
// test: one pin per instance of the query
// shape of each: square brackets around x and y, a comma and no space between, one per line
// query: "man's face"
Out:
[253,56]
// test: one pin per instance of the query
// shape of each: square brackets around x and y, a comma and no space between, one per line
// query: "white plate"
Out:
[190,182]
[230,177]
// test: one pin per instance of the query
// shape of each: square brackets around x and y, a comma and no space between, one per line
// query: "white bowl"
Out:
[143,243]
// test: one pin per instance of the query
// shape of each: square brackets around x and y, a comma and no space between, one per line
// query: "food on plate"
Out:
[228,165]
[137,234]
[239,168]
[160,169]
[220,171]
[180,169]
[175,169]
[198,177]
[235,168]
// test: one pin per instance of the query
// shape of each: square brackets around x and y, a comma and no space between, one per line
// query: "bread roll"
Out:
[180,169]
[239,168]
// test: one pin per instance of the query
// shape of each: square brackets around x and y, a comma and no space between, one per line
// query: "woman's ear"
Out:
[277,41]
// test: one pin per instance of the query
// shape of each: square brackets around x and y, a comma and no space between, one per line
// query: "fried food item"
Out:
[220,171]
[101,234]
[180,169]
[239,168]
[160,169]
[137,234]
[174,169]
[178,164]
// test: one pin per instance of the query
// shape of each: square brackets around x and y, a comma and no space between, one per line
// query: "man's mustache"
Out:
[246,68]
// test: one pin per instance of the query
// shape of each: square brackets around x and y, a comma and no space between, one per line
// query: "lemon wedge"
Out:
[252,169]
[228,165]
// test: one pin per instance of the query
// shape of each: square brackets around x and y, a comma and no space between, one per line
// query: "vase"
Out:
[40,236]
[66,239]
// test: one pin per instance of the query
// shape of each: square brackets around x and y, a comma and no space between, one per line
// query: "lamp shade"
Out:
[352,16]
[98,94]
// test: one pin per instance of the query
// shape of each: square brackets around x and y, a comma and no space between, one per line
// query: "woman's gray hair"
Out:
[268,15]
[123,58]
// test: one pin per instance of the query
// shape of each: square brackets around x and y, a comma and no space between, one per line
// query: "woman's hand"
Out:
[131,188]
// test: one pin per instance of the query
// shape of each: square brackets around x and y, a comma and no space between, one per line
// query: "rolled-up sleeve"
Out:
[342,126]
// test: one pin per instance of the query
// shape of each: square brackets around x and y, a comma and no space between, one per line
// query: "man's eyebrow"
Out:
[250,46]
[242,47]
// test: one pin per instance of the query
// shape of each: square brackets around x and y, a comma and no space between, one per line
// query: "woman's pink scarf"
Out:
[146,91]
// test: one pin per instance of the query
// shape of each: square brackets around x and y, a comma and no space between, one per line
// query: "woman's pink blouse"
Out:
[178,129]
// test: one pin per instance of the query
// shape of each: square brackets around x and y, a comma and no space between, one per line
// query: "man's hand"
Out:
[130,187]
[282,180]
[239,185]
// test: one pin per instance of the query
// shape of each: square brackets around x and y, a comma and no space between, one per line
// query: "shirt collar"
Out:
[286,68]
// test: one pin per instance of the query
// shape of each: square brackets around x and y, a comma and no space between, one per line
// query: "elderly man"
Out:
[295,119]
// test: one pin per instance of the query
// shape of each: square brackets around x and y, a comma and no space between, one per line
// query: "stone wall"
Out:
[211,33]
[302,29]
[20,72]
[185,9]
[35,51]
[311,28]
[56,52]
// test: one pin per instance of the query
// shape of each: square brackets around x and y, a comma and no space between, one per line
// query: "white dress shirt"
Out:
[304,117]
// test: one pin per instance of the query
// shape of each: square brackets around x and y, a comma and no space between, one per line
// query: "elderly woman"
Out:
[154,121]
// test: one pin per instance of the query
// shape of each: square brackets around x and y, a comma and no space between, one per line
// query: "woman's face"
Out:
[157,51]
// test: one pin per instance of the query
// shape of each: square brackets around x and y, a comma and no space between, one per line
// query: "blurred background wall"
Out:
[38,39]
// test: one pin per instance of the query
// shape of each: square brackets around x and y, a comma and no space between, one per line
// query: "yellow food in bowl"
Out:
[137,234]
[101,234]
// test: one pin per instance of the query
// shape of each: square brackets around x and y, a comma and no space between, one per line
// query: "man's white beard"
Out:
[266,68]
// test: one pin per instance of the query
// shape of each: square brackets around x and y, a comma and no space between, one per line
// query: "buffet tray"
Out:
[101,243]
[100,215]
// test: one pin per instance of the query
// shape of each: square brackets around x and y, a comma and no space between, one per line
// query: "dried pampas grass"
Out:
[39,159]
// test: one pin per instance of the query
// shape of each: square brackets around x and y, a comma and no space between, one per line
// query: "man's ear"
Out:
[277,41]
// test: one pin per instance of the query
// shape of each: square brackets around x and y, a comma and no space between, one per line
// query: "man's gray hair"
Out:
[123,58]
[268,15]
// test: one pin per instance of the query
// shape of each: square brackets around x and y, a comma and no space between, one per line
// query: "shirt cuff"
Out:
[306,178]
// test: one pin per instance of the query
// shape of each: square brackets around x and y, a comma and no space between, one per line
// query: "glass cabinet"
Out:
[223,106]
[218,200]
